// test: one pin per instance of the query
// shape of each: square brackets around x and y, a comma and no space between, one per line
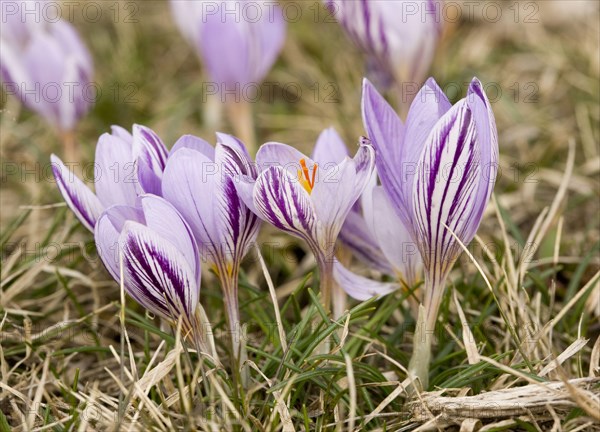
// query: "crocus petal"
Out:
[80,199]
[360,287]
[235,159]
[386,132]
[429,105]
[165,220]
[194,143]
[45,64]
[356,236]
[244,186]
[189,183]
[282,201]
[445,188]
[121,133]
[487,139]
[281,155]
[114,172]
[151,156]
[271,30]
[66,35]
[156,273]
[339,188]
[107,231]
[395,239]
[330,149]
[239,226]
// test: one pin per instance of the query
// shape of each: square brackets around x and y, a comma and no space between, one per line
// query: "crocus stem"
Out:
[70,149]
[338,300]
[240,117]
[326,286]
[213,112]
[326,283]
[239,354]
[418,367]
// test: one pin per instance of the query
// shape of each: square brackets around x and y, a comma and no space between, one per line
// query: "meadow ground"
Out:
[518,350]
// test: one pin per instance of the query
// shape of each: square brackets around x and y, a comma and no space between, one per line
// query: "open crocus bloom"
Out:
[46,65]
[372,231]
[438,171]
[158,255]
[308,198]
[199,181]
[398,37]
[126,165]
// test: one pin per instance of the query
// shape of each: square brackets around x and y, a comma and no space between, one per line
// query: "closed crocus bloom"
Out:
[126,166]
[398,37]
[308,198]
[151,248]
[46,65]
[438,171]
[238,41]
[199,181]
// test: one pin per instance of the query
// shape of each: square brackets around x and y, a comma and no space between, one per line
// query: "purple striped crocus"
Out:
[199,181]
[152,250]
[309,198]
[47,66]
[126,166]
[373,233]
[398,37]
[438,171]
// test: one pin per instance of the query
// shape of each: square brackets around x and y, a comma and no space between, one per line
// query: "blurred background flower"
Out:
[238,42]
[48,67]
[398,38]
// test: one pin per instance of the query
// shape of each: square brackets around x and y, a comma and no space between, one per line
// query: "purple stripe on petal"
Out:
[234,158]
[157,274]
[283,202]
[445,185]
[151,156]
[78,196]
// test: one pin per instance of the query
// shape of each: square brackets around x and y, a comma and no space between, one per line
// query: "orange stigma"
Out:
[306,179]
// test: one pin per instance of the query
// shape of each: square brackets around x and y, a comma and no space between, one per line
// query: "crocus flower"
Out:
[47,66]
[126,166]
[152,250]
[438,171]
[308,198]
[383,237]
[238,41]
[398,37]
[199,181]
[372,231]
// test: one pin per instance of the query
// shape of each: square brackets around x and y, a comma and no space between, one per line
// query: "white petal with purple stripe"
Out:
[80,199]
[157,274]
[445,186]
